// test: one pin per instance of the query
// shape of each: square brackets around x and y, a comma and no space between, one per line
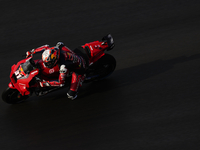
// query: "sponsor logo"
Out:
[51,70]
[53,56]
[34,72]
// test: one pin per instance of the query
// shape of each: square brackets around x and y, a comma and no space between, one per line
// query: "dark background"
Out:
[151,101]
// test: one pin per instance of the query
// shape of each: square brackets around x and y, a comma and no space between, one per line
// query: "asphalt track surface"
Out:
[152,99]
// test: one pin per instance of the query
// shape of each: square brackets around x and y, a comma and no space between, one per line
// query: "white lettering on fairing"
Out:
[34,72]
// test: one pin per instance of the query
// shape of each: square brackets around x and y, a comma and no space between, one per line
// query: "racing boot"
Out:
[76,83]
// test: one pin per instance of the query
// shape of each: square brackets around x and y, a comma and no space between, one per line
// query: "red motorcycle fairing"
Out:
[20,80]
[96,50]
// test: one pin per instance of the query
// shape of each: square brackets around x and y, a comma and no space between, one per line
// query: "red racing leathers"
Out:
[68,61]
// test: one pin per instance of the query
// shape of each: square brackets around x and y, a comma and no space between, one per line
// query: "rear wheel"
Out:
[102,68]
[12,96]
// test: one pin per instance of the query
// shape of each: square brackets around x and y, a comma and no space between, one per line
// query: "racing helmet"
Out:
[50,57]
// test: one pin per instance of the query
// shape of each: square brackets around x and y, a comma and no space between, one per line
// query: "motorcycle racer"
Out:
[59,61]
[59,66]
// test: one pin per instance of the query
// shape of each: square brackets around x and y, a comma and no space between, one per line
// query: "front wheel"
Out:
[13,96]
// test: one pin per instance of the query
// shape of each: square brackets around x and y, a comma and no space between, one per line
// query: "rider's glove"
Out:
[44,83]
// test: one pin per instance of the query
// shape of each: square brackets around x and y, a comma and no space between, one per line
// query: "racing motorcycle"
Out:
[25,75]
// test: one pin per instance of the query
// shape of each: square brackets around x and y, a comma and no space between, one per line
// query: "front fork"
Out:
[10,85]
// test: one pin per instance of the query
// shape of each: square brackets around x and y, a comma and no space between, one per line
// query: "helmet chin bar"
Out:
[50,65]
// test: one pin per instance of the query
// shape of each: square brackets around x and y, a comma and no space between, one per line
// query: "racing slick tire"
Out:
[104,67]
[13,96]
